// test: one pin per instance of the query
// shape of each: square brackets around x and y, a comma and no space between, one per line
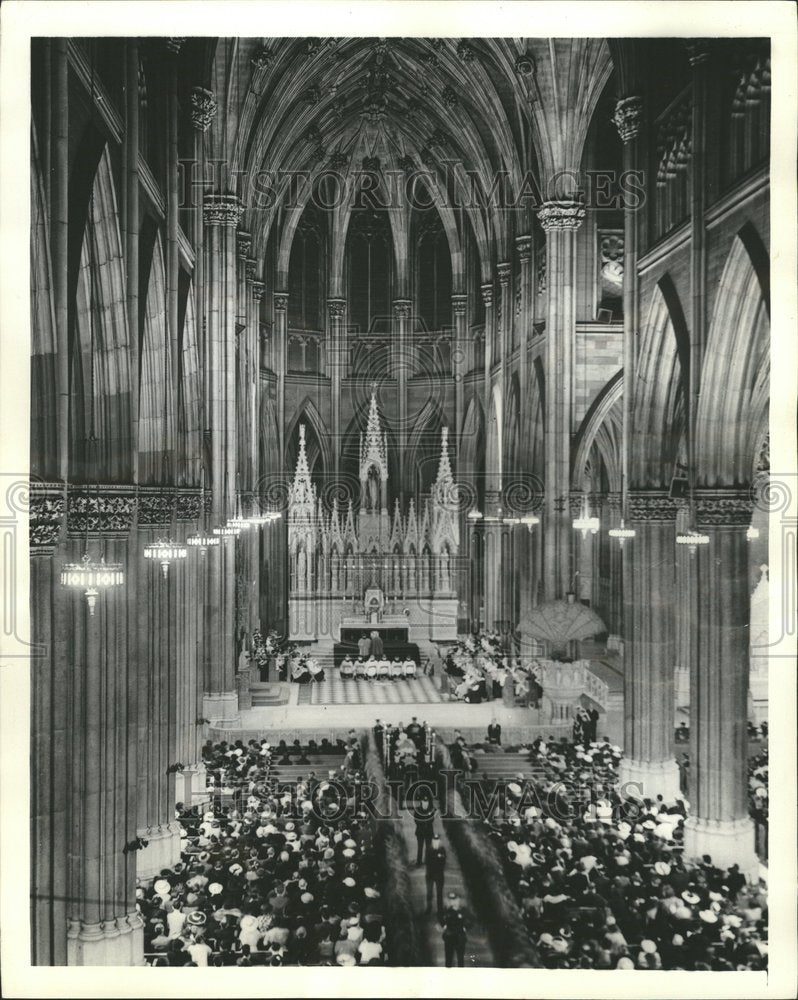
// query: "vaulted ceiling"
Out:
[459,112]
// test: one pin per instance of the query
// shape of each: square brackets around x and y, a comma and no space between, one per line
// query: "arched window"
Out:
[369,259]
[305,274]
[433,275]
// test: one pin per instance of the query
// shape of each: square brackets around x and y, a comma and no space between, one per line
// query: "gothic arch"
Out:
[108,403]
[659,384]
[156,429]
[600,410]
[733,405]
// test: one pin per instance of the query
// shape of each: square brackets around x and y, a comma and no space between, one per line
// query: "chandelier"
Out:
[585,523]
[165,551]
[92,577]
[202,539]
[530,520]
[622,533]
[692,539]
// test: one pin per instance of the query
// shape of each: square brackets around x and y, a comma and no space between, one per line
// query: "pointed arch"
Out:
[601,410]
[155,430]
[44,458]
[733,405]
[660,382]
[105,401]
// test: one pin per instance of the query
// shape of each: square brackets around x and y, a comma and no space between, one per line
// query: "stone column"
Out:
[173,46]
[560,221]
[336,309]
[615,592]
[50,678]
[281,348]
[719,824]
[487,298]
[102,927]
[401,312]
[221,214]
[460,579]
[492,557]
[649,647]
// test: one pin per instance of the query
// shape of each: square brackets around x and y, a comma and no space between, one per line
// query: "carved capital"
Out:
[723,508]
[614,501]
[46,506]
[523,247]
[561,215]
[280,301]
[487,294]
[109,509]
[401,308]
[251,268]
[627,117]
[258,288]
[243,244]
[336,308]
[503,272]
[459,304]
[173,45]
[222,210]
[202,108]
[655,506]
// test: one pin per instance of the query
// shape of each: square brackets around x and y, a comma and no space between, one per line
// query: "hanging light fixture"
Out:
[89,575]
[692,538]
[474,515]
[238,521]
[202,539]
[530,520]
[752,533]
[585,523]
[92,576]
[166,552]
[622,533]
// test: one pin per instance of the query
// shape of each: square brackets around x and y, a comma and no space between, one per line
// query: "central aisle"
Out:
[478,952]
[333,690]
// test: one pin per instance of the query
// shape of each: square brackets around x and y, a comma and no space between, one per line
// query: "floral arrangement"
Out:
[274,645]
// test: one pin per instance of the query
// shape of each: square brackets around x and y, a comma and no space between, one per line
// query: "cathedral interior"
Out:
[451,337]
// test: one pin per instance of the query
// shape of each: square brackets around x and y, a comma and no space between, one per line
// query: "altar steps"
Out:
[333,690]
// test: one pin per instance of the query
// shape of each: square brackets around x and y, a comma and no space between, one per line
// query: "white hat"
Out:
[349,881]
[708,916]
[214,889]
[662,868]
[162,887]
[648,946]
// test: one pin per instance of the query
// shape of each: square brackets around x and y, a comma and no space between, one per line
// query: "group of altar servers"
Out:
[372,669]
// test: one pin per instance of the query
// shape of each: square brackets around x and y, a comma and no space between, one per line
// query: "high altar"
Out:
[361,567]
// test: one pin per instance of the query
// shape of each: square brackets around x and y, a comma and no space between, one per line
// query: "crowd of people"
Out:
[602,881]
[480,669]
[277,876]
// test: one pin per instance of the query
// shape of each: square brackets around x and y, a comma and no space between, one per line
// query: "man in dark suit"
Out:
[424,814]
[436,867]
[454,931]
[495,733]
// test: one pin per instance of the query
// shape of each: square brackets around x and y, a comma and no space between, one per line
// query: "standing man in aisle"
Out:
[424,814]
[436,868]
[454,931]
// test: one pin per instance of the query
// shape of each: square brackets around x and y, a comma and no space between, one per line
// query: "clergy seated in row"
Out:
[377,669]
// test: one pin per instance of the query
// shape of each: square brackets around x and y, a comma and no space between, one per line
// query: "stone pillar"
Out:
[102,927]
[615,590]
[401,312]
[492,558]
[649,647]
[221,214]
[719,824]
[336,309]
[460,577]
[50,677]
[560,221]
[281,349]
[487,297]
